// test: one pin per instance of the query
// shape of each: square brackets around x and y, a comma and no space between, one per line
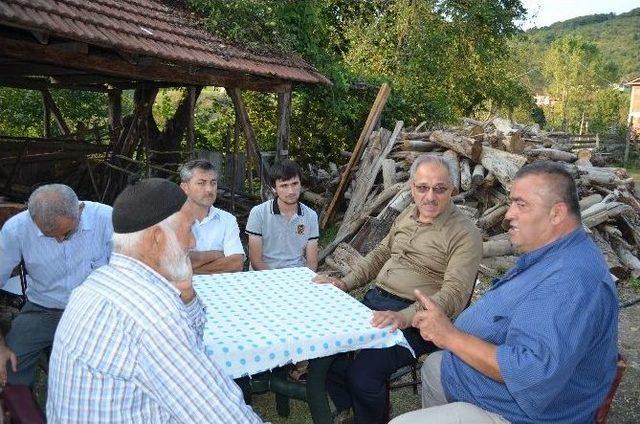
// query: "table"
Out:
[261,320]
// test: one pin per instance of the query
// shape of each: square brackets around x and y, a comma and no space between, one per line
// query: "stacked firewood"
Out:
[485,157]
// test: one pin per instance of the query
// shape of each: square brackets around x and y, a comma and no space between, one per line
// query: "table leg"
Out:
[316,389]
[282,400]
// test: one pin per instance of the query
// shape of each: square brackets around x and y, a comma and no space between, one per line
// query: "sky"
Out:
[545,12]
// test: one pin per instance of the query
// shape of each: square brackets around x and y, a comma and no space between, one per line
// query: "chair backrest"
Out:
[603,411]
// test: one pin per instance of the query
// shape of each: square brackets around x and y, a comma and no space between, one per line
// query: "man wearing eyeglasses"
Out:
[61,241]
[431,247]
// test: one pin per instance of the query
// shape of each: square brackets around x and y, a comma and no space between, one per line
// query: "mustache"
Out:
[429,203]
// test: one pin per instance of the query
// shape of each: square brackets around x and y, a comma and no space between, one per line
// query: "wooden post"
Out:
[234,165]
[252,145]
[284,115]
[47,118]
[190,124]
[627,145]
[62,125]
[115,113]
[372,119]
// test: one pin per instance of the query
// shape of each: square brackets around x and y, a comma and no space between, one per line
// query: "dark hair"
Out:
[560,183]
[186,170]
[284,170]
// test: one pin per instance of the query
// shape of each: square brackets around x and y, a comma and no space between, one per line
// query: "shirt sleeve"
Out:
[254,222]
[192,386]
[367,269]
[232,244]
[547,339]
[465,255]
[10,254]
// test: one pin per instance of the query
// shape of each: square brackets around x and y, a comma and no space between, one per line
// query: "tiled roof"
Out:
[149,28]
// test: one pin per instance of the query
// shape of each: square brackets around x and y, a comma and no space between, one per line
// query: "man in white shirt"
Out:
[218,247]
[61,241]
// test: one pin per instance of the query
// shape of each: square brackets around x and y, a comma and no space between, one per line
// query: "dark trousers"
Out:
[361,383]
[31,333]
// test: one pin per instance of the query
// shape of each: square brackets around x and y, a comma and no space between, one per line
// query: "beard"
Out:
[175,264]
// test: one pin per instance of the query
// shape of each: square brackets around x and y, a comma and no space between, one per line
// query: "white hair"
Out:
[51,201]
[128,243]
[429,158]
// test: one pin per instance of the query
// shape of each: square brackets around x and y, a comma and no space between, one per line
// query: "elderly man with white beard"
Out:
[129,346]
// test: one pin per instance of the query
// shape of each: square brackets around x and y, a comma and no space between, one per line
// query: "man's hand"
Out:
[325,279]
[6,355]
[396,320]
[187,293]
[434,325]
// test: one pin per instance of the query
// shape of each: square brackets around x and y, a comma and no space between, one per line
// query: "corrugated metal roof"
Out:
[150,28]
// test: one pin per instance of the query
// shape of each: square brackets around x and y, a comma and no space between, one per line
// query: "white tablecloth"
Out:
[260,320]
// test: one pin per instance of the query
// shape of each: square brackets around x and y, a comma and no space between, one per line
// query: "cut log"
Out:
[416,135]
[418,145]
[603,212]
[513,143]
[503,165]
[343,259]
[388,173]
[553,154]
[454,166]
[492,217]
[465,174]
[613,262]
[584,154]
[583,162]
[315,199]
[466,146]
[492,248]
[608,177]
[587,202]
[368,172]
[471,213]
[477,177]
[630,260]
[372,119]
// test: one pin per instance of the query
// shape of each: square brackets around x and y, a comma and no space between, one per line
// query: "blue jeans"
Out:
[361,383]
[31,333]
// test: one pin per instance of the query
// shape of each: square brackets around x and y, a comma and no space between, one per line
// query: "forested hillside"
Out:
[616,36]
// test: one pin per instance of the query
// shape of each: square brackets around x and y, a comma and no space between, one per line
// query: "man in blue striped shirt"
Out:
[129,347]
[61,240]
[541,345]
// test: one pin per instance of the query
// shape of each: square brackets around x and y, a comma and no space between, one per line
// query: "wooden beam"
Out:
[372,119]
[252,144]
[47,118]
[115,113]
[62,125]
[190,122]
[32,83]
[284,116]
[149,70]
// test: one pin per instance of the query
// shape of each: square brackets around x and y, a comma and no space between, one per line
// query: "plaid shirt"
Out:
[128,350]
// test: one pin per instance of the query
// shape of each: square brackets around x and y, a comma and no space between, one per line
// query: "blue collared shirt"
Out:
[128,350]
[56,268]
[554,318]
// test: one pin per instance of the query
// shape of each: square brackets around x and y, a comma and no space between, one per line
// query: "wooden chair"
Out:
[603,411]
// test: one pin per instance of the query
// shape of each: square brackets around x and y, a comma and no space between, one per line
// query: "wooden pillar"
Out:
[62,125]
[284,116]
[191,124]
[47,118]
[115,113]
[252,144]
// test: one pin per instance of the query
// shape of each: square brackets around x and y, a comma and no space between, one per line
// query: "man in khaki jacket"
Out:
[431,247]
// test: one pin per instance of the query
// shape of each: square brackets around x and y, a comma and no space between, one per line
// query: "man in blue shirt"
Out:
[61,240]
[541,344]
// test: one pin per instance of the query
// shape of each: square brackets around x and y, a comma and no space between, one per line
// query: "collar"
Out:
[214,213]
[119,260]
[276,210]
[553,249]
[439,221]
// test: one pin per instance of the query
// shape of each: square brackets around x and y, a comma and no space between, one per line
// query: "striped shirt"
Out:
[56,268]
[127,350]
[554,318]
